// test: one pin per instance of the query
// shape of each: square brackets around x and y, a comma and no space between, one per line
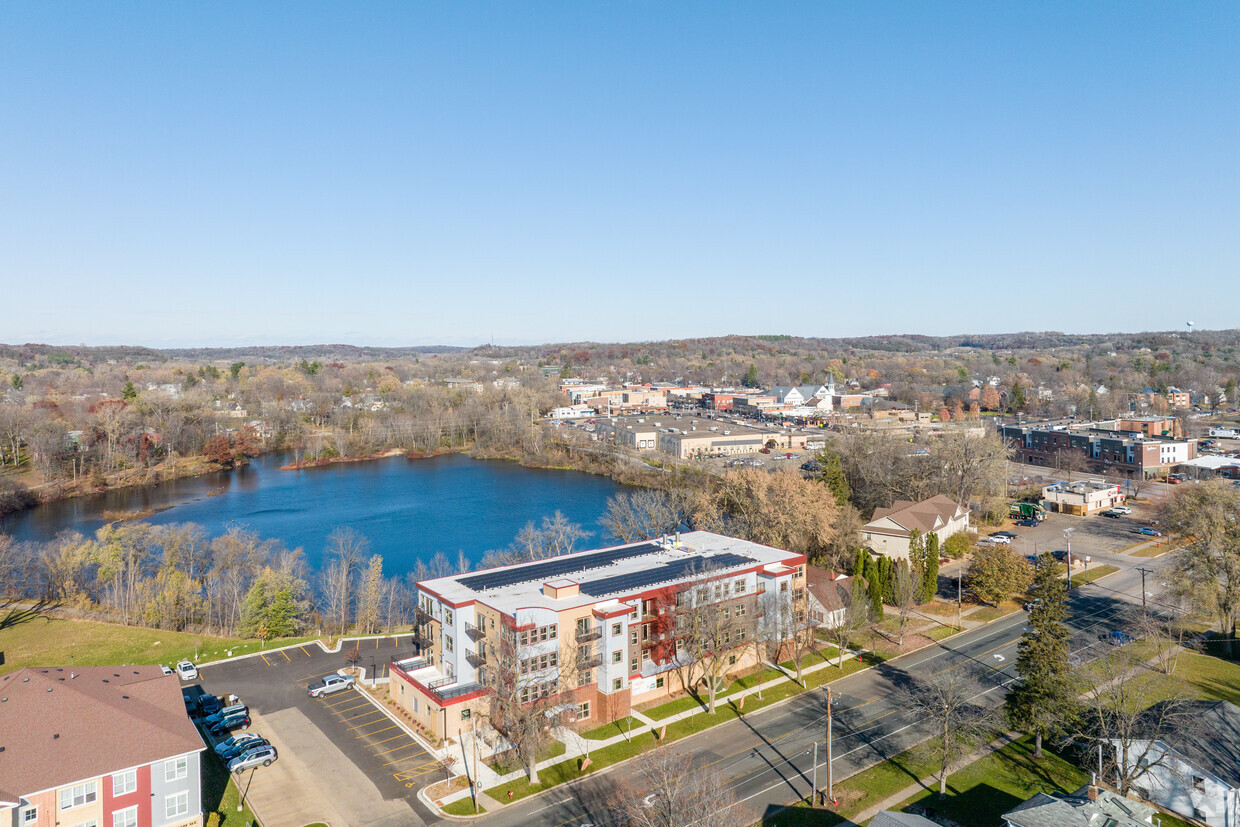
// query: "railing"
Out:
[421,617]
[410,665]
[586,637]
[590,662]
[473,631]
[475,659]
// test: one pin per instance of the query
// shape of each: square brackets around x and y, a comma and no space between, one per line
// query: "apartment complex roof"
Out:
[609,574]
[60,725]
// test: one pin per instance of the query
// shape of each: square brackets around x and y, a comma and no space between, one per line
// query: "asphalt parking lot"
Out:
[343,760]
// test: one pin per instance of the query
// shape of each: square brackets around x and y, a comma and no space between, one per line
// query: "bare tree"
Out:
[632,516]
[1206,572]
[711,628]
[905,590]
[523,685]
[944,700]
[345,551]
[669,791]
[370,597]
[855,617]
[791,626]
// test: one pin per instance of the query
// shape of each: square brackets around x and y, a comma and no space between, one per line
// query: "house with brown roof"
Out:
[889,530]
[828,595]
[97,746]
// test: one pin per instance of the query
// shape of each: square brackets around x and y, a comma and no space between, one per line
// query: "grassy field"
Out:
[1094,573]
[463,807]
[982,792]
[53,641]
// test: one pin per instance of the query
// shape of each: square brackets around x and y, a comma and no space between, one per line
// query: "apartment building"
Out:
[97,746]
[598,631]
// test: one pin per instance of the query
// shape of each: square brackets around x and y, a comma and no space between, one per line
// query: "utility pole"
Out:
[1067,535]
[959,580]
[1144,571]
[830,796]
[813,795]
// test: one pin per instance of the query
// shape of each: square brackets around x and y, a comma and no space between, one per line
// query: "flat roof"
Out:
[610,574]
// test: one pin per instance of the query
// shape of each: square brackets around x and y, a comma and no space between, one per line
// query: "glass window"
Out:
[127,817]
[78,795]
[554,628]
[176,768]
[30,815]
[447,643]
[448,617]
[616,656]
[633,664]
[658,683]
[617,683]
[176,805]
[583,710]
[124,782]
[615,628]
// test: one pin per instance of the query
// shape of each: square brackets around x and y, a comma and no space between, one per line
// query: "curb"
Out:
[434,753]
[316,642]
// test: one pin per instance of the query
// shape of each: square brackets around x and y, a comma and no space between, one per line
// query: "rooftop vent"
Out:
[56,737]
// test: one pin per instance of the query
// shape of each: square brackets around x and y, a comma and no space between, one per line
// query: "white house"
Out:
[889,530]
[1199,775]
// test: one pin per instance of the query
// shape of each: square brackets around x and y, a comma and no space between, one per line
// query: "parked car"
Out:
[810,466]
[764,450]
[1033,559]
[167,670]
[209,705]
[1000,538]
[232,752]
[263,756]
[191,705]
[229,724]
[1029,523]
[1121,509]
[330,684]
[1119,638]
[238,742]
[1149,531]
[187,670]
[1007,534]
[1061,555]
[986,542]
[226,712]
[1112,513]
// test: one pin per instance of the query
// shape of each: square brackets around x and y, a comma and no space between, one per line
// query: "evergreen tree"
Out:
[1017,399]
[889,581]
[930,567]
[129,393]
[751,377]
[858,569]
[874,585]
[1039,703]
[917,560]
[833,476]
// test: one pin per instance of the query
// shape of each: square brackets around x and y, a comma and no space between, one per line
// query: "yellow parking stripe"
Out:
[264,657]
[303,649]
[385,740]
[361,715]
[409,745]
[286,657]
[355,706]
[350,698]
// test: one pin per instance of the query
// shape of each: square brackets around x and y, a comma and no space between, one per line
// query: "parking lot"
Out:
[342,759]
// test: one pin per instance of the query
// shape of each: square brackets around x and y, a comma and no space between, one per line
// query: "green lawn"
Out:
[508,762]
[1152,551]
[1094,573]
[1211,678]
[463,807]
[939,632]
[50,641]
[618,727]
[220,794]
[989,613]
[982,792]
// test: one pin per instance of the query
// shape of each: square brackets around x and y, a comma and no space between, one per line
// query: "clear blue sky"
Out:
[413,172]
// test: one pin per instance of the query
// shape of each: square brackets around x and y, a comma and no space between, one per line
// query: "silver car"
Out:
[260,757]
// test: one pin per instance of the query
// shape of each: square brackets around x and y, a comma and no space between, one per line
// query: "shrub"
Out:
[958,545]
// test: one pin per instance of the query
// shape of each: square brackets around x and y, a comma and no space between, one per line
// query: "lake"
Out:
[406,508]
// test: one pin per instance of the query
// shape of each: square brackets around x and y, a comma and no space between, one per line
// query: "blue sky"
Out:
[412,172]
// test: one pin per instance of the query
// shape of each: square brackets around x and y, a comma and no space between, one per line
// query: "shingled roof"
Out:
[925,516]
[64,724]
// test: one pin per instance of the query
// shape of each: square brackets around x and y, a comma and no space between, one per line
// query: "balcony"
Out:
[475,659]
[590,662]
[587,637]
[420,617]
[474,632]
[444,687]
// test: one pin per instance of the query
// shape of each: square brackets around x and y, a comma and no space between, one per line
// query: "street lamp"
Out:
[1067,535]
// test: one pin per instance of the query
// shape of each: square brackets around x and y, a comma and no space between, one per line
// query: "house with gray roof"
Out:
[1089,806]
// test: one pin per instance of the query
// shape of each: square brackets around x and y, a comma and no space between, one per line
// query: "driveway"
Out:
[343,760]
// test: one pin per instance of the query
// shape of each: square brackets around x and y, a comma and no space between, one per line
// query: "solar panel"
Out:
[676,570]
[555,567]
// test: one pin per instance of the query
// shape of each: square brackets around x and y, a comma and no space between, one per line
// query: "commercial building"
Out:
[1150,426]
[1081,497]
[690,438]
[596,631]
[640,433]
[1089,445]
[97,745]
[888,532]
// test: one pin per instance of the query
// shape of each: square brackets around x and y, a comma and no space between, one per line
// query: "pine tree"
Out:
[1038,704]
[129,393]
[874,585]
[917,560]
[858,569]
[833,475]
[751,377]
[1017,399]
[930,568]
[889,578]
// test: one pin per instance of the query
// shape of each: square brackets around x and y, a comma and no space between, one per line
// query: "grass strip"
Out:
[462,807]
[1092,574]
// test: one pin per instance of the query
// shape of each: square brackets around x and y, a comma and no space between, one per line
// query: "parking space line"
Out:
[361,715]
[347,700]
[384,741]
[409,745]
[355,706]
[264,657]
[286,657]
[378,731]
[303,650]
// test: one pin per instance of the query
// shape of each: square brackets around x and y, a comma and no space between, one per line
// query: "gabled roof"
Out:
[1079,810]
[925,516]
[888,818]
[832,590]
[60,725]
[1212,744]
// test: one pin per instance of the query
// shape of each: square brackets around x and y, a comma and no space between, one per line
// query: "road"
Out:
[768,755]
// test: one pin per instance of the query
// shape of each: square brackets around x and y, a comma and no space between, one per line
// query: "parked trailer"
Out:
[1225,433]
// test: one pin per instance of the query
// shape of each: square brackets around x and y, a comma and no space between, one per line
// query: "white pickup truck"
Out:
[330,684]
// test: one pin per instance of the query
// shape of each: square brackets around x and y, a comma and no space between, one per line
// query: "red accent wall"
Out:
[140,797]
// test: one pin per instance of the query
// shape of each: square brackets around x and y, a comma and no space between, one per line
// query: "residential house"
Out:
[889,530]
[1089,806]
[596,631]
[1198,775]
[803,396]
[891,818]
[97,745]
[828,596]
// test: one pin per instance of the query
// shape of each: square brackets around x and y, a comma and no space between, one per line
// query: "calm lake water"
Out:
[406,508]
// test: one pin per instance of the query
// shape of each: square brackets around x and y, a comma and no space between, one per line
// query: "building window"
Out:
[633,664]
[30,815]
[127,817]
[658,682]
[176,769]
[615,629]
[583,626]
[616,684]
[447,643]
[176,805]
[448,617]
[731,660]
[633,637]
[739,586]
[123,783]
[1199,783]
[585,678]
[616,656]
[583,711]
[82,794]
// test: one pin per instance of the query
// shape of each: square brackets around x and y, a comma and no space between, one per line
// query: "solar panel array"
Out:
[553,568]
[677,570]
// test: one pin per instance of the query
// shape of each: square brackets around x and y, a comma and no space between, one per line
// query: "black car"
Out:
[242,748]
[230,723]
[1061,556]
[1114,514]
[1030,523]
[209,705]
